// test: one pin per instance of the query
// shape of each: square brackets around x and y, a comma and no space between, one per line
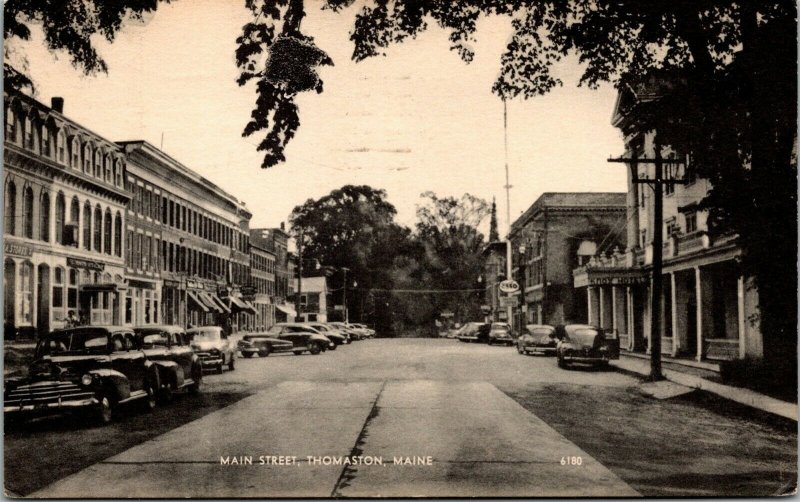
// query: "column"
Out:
[740,315]
[698,292]
[601,317]
[648,327]
[631,327]
[589,309]
[614,308]
[674,309]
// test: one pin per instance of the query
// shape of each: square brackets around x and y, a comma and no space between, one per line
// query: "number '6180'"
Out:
[571,460]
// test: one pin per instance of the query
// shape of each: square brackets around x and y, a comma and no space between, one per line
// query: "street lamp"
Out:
[523,248]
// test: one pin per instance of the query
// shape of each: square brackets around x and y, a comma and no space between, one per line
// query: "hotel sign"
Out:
[598,278]
[81,263]
[17,249]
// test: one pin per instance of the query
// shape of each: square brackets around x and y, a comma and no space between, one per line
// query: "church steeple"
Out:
[493,234]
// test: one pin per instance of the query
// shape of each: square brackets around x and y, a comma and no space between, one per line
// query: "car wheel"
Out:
[219,368]
[264,352]
[105,409]
[231,364]
[150,401]
[165,396]
[298,352]
[197,377]
[248,355]
[519,349]
[332,347]
[561,363]
[314,348]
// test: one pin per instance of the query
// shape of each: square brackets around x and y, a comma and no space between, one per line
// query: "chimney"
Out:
[283,226]
[57,104]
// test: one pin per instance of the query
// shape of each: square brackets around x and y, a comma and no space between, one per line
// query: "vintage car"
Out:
[473,332]
[368,332]
[302,337]
[179,367]
[88,368]
[585,344]
[329,332]
[500,333]
[213,347]
[263,344]
[349,330]
[537,339]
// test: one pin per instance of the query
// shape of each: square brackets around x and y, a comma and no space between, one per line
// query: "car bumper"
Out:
[587,359]
[539,350]
[211,362]
[250,350]
[46,408]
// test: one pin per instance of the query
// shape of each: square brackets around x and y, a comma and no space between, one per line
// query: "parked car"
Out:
[355,334]
[368,332]
[304,338]
[331,334]
[500,333]
[470,331]
[537,339]
[263,344]
[88,368]
[179,367]
[213,347]
[585,344]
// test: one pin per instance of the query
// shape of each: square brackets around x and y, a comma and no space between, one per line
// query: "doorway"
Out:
[43,300]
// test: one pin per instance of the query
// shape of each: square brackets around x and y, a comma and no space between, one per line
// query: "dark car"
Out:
[213,347]
[470,332]
[94,368]
[349,330]
[538,339]
[500,333]
[263,344]
[585,344]
[303,337]
[178,366]
[329,332]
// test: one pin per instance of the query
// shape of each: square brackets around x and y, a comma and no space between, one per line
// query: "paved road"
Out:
[493,423]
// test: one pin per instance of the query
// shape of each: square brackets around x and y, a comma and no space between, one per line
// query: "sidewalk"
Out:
[740,395]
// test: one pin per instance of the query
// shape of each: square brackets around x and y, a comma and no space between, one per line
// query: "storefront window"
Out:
[25,289]
[129,307]
[72,289]
[58,293]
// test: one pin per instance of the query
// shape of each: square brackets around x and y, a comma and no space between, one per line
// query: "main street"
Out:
[493,423]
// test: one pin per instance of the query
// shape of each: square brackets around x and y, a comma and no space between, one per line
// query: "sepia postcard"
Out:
[399,248]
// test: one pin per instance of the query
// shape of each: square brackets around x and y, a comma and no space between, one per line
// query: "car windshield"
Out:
[319,327]
[274,330]
[499,325]
[205,335]
[155,339]
[73,341]
[584,336]
[541,331]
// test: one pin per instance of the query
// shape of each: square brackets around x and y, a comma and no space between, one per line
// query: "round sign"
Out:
[509,286]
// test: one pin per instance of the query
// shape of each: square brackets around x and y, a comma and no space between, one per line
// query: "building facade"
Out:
[276,241]
[262,278]
[708,310]
[189,244]
[315,299]
[64,214]
[559,232]
[494,271]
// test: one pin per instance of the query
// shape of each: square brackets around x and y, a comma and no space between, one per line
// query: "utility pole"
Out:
[658,182]
[344,301]
[299,275]
[509,308]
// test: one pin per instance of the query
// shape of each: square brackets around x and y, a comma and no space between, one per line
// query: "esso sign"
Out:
[509,286]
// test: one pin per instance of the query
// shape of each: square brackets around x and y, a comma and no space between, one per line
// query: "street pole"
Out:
[658,245]
[509,308]
[344,300]
[299,275]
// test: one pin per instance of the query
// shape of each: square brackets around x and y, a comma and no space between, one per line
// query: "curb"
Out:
[739,395]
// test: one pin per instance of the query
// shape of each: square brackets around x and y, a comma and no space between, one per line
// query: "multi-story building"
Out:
[188,244]
[64,214]
[315,299]
[262,277]
[277,241]
[559,232]
[708,310]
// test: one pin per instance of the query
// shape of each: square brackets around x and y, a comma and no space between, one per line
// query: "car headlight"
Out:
[86,380]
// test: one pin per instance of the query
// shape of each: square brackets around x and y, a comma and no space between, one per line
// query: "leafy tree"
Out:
[68,26]
[732,104]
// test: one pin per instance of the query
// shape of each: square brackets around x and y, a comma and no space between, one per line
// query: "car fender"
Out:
[114,382]
[170,372]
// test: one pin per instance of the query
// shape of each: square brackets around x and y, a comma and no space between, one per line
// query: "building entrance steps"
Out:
[683,376]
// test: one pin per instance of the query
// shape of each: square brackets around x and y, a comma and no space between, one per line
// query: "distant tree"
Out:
[68,26]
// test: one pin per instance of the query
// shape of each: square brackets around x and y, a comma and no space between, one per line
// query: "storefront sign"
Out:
[509,301]
[17,249]
[604,281]
[509,286]
[171,284]
[80,263]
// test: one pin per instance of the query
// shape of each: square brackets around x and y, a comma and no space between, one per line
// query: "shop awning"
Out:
[238,305]
[287,310]
[197,301]
[208,302]
[219,302]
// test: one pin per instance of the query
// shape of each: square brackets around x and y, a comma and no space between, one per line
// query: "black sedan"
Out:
[262,344]
[537,339]
[585,344]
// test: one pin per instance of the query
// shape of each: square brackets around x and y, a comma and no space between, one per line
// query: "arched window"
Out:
[30,134]
[27,213]
[9,291]
[44,217]
[98,163]
[75,153]
[117,173]
[98,227]
[107,232]
[11,208]
[46,141]
[108,169]
[24,311]
[11,125]
[118,234]
[87,158]
[59,277]
[74,211]
[60,209]
[87,226]
[61,148]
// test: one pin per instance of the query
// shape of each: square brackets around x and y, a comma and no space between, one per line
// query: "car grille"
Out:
[46,393]
[207,354]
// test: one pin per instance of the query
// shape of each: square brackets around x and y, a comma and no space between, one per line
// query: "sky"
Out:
[418,119]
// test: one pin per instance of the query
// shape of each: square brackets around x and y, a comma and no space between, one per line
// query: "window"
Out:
[164,256]
[61,148]
[109,169]
[164,210]
[107,232]
[87,158]
[98,229]
[118,172]
[146,203]
[11,208]
[129,248]
[171,213]
[691,221]
[60,210]
[137,252]
[87,226]
[25,291]
[44,217]
[671,226]
[11,125]
[146,251]
[30,134]
[98,163]
[72,289]
[75,153]
[643,238]
[27,213]
[46,143]
[118,234]
[58,293]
